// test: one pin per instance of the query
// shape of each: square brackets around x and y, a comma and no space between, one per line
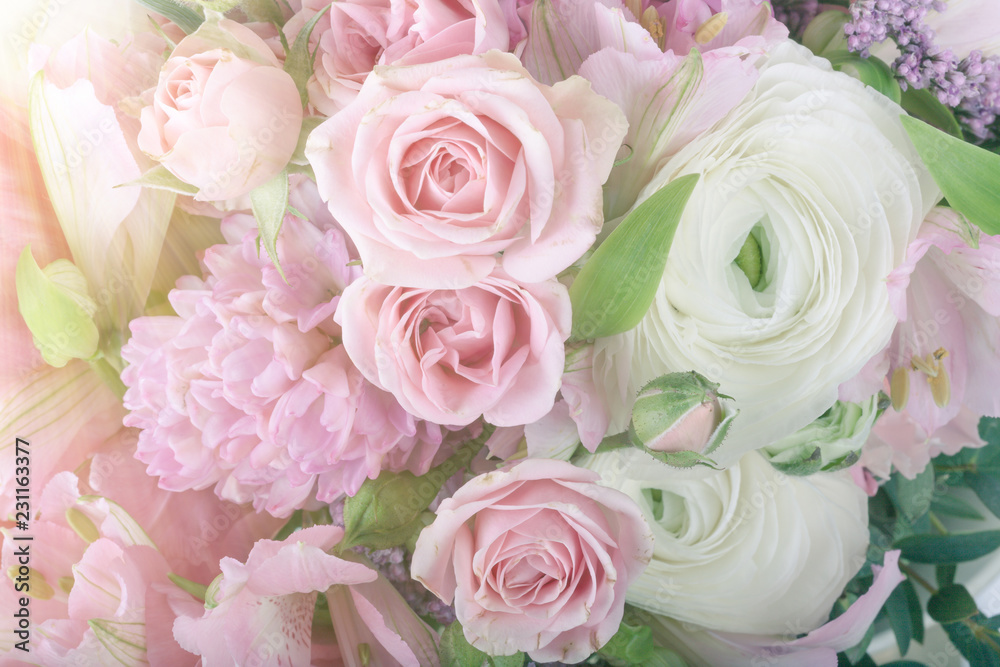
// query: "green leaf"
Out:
[825,33]
[159,178]
[901,616]
[946,549]
[912,497]
[954,506]
[969,642]
[987,487]
[989,430]
[456,651]
[952,603]
[186,18]
[869,71]
[266,11]
[299,61]
[966,174]
[52,303]
[857,654]
[923,104]
[631,645]
[515,660]
[269,202]
[386,511]
[616,286]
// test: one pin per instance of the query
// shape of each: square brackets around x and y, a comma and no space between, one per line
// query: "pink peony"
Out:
[224,121]
[248,388]
[450,356]
[434,170]
[537,558]
[261,611]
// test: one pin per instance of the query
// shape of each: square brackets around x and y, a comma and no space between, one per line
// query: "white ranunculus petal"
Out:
[820,165]
[758,549]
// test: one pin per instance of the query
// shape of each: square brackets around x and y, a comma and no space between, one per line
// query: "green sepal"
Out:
[299,60]
[269,202]
[52,303]
[309,123]
[159,178]
[966,174]
[616,286]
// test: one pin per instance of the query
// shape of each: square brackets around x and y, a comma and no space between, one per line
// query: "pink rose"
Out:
[449,356]
[225,117]
[537,559]
[436,169]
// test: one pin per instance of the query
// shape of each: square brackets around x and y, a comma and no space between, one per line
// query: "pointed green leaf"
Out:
[616,286]
[159,178]
[299,61]
[954,506]
[945,549]
[193,587]
[923,104]
[60,325]
[221,6]
[269,202]
[987,487]
[825,33]
[869,71]
[905,615]
[186,18]
[967,175]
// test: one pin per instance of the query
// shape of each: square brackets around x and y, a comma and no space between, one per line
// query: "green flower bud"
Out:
[831,442]
[678,418]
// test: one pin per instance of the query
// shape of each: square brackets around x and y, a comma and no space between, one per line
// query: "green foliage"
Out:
[388,510]
[616,286]
[966,174]
[870,71]
[187,19]
[270,203]
[952,603]
[903,611]
[455,651]
[631,645]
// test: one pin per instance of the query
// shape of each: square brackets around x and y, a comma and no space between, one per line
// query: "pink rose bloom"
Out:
[224,121]
[248,388]
[435,170]
[450,356]
[356,35]
[537,558]
[263,609]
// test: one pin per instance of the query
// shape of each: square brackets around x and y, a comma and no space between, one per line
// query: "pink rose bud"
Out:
[225,117]
[676,412]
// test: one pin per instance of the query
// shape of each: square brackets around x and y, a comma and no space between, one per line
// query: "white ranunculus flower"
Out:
[817,168]
[746,550]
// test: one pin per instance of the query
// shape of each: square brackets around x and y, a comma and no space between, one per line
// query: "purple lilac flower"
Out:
[970,86]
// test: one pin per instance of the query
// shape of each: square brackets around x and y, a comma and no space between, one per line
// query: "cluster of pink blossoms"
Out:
[249,389]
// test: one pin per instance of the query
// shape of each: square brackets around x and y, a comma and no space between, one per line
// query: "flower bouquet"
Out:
[499,332]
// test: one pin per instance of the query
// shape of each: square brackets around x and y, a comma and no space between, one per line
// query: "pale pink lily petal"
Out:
[88,413]
[561,34]
[967,25]
[947,297]
[897,438]
[749,24]
[668,101]
[86,148]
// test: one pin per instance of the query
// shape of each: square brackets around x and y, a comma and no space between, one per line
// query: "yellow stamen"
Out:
[899,388]
[82,524]
[710,28]
[656,26]
[365,654]
[38,588]
[66,584]
[937,375]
